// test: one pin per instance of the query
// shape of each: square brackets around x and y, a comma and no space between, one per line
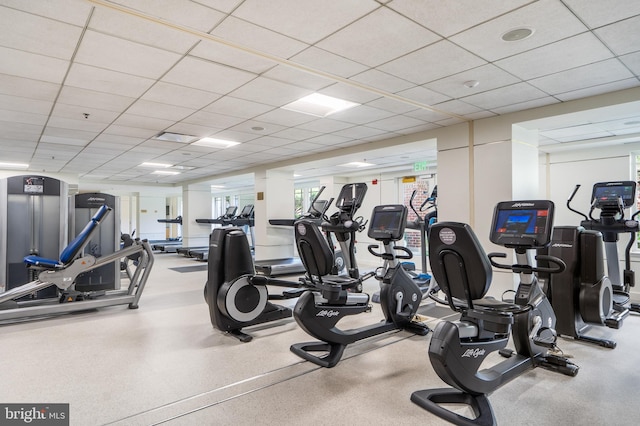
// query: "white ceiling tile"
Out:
[598,90]
[64,140]
[35,34]
[597,12]
[550,19]
[454,106]
[325,125]
[284,118]
[107,81]
[349,93]
[359,132]
[26,88]
[361,115]
[247,34]
[234,135]
[209,119]
[270,92]
[432,62]
[226,6]
[238,107]
[227,55]
[423,95]
[621,37]
[392,105]
[632,61]
[246,127]
[77,112]
[455,16]
[70,11]
[126,141]
[583,77]
[164,111]
[155,125]
[305,20]
[132,132]
[22,117]
[187,13]
[322,60]
[286,74]
[514,94]
[204,75]
[296,134]
[381,80]
[33,106]
[394,124]
[488,76]
[20,131]
[270,142]
[192,129]
[535,103]
[330,139]
[116,54]
[76,124]
[92,99]
[569,53]
[32,66]
[394,36]
[140,30]
[435,116]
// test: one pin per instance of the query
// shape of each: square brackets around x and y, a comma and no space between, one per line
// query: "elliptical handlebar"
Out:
[573,194]
[560,265]
[387,256]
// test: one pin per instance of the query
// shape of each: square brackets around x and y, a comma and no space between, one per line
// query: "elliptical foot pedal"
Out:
[506,353]
[306,351]
[432,400]
[418,328]
[240,335]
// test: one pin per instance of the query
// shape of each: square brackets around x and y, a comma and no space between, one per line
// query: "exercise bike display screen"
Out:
[388,222]
[610,192]
[522,224]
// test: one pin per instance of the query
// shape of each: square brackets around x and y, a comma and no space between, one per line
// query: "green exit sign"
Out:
[420,166]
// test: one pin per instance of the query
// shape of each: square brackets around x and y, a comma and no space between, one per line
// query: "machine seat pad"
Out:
[42,262]
[490,303]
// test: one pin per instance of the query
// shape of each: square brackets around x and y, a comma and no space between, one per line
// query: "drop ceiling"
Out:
[85,85]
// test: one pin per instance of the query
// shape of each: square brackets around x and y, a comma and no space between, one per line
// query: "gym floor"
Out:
[165,364]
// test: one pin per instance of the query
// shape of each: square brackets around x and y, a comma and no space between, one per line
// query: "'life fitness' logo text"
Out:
[327,313]
[473,353]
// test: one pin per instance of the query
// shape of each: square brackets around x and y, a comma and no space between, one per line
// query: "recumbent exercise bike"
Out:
[463,272]
[319,309]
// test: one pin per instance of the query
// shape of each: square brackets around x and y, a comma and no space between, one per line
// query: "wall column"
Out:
[274,200]
[196,201]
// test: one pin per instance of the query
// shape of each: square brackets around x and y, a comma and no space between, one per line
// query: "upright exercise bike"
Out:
[463,271]
[583,295]
[319,310]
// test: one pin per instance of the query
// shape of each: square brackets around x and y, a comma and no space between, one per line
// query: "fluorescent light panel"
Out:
[14,165]
[164,172]
[217,186]
[155,165]
[175,137]
[215,143]
[319,105]
[357,164]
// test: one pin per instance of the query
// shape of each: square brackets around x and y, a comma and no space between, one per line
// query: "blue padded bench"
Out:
[71,251]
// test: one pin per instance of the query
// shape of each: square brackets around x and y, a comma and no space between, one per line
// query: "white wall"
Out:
[151,209]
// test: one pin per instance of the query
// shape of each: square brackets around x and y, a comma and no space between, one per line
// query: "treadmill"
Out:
[168,245]
[293,265]
[221,220]
[245,218]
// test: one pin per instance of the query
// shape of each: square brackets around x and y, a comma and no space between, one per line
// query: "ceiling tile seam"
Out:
[271,57]
[66,74]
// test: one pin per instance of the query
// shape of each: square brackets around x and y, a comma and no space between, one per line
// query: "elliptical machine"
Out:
[583,295]
[319,310]
[463,271]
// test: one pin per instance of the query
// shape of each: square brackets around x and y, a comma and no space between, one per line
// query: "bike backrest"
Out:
[458,262]
[313,248]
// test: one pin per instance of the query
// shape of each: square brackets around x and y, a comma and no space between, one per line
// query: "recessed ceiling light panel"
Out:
[145,164]
[357,164]
[319,105]
[215,143]
[164,172]
[175,137]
